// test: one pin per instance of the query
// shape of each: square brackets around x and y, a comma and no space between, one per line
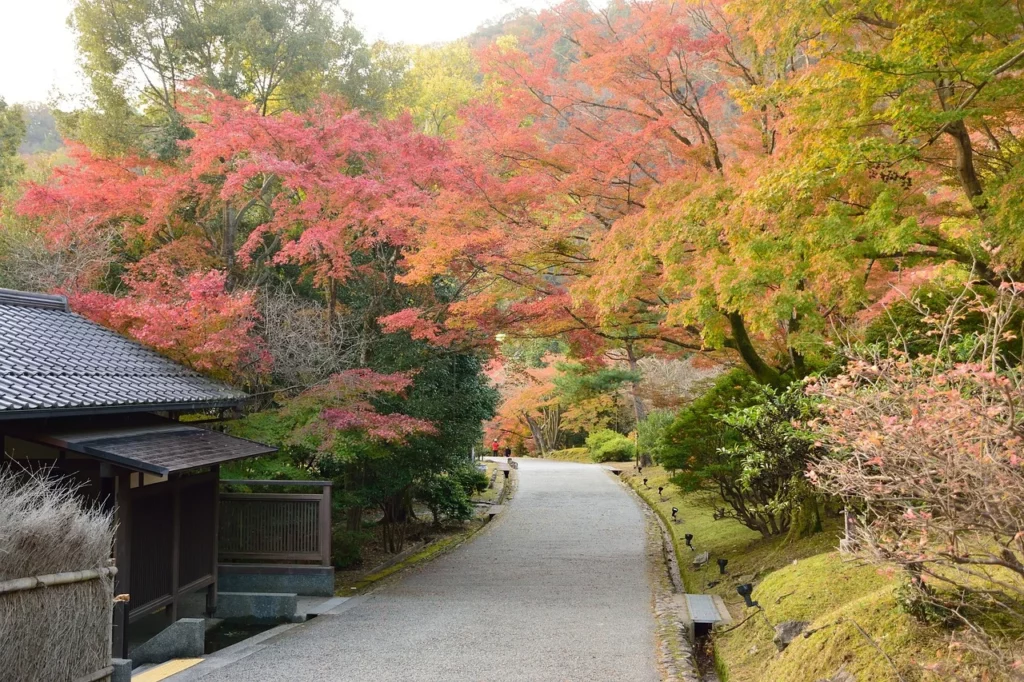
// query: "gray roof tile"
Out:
[160,449]
[54,360]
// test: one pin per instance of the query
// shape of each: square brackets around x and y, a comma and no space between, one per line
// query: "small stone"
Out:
[752,650]
[787,631]
[841,676]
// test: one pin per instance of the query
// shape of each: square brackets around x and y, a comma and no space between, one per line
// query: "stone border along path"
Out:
[559,587]
[675,651]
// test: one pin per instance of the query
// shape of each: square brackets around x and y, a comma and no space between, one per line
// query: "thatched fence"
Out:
[56,583]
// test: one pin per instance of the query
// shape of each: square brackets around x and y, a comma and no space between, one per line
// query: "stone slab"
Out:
[267,607]
[184,638]
[122,670]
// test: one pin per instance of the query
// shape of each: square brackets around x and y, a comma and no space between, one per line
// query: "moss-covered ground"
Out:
[804,579]
[581,455]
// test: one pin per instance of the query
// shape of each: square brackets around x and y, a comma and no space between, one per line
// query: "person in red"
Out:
[494,448]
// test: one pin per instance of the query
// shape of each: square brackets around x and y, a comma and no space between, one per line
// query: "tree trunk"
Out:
[535,431]
[332,302]
[741,342]
[393,525]
[354,514]
[229,246]
[552,427]
[354,518]
[964,161]
[639,411]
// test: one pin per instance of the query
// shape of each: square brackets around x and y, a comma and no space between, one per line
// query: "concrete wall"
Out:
[310,581]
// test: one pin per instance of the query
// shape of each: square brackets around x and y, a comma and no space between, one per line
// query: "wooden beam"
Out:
[325,526]
[122,559]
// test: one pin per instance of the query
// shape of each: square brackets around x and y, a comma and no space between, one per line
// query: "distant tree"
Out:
[278,54]
[589,395]
[41,133]
[441,80]
[12,131]
[650,434]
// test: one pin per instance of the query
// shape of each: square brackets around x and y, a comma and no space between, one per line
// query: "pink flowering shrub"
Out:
[929,452]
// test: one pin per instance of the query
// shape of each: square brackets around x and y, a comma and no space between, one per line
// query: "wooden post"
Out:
[175,546]
[123,560]
[325,526]
[211,592]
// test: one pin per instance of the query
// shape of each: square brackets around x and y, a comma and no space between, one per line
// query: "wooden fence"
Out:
[276,527]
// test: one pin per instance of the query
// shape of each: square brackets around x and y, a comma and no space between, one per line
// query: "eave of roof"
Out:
[50,412]
[193,447]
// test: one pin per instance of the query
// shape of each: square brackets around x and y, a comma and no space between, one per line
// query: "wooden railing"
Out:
[276,527]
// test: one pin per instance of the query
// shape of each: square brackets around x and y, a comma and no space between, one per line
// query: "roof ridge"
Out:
[30,299]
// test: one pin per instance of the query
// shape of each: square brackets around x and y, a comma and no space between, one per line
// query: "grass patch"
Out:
[804,579]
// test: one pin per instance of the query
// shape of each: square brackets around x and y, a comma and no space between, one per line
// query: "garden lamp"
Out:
[689,540]
[745,590]
[721,566]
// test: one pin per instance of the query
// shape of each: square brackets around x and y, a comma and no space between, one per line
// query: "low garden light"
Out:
[675,510]
[745,590]
[645,482]
[660,488]
[721,566]
[689,540]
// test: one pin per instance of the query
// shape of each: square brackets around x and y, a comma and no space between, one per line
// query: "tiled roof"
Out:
[53,361]
[160,448]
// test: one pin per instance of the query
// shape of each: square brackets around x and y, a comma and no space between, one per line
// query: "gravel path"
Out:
[556,589]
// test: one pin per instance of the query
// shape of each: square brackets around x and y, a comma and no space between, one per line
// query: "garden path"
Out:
[556,588]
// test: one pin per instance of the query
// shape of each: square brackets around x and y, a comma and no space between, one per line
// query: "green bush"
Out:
[609,446]
[471,479]
[692,441]
[447,495]
[739,440]
[346,547]
[650,434]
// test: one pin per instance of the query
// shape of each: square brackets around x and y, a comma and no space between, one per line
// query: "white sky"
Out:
[37,50]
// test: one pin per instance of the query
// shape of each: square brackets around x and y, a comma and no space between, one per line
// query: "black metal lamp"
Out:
[745,590]
[660,488]
[675,510]
[645,482]
[721,566]
[689,540]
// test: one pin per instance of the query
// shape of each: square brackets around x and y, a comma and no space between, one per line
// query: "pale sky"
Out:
[37,50]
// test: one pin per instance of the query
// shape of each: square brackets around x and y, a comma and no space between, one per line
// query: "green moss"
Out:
[432,550]
[793,580]
[571,455]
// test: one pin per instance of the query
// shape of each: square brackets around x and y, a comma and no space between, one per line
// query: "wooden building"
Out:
[87,404]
